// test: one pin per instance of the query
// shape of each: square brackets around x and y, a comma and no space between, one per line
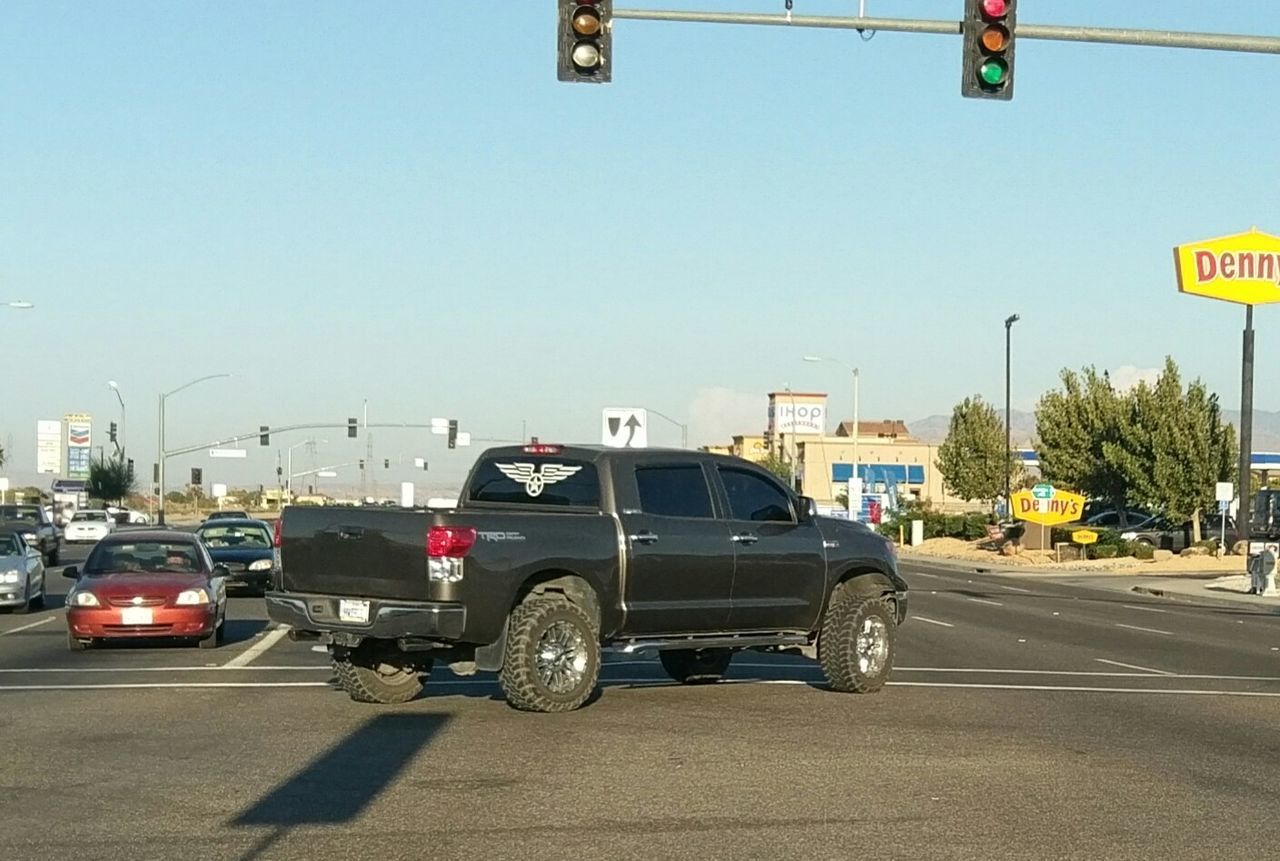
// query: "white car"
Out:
[128,515]
[89,525]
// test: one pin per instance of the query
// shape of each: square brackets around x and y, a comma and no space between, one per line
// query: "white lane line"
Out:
[1014,588]
[1098,673]
[932,621]
[985,601]
[127,670]
[913,573]
[258,649]
[1085,689]
[1144,609]
[1135,667]
[162,685]
[1147,630]
[27,627]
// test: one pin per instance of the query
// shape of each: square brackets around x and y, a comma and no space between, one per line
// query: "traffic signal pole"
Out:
[1050,32]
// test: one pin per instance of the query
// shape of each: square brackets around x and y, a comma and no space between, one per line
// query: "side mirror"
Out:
[221,570]
[71,572]
[808,509]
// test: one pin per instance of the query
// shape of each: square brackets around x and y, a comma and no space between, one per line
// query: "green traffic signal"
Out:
[993,72]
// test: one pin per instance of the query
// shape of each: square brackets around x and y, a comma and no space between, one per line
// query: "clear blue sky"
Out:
[398,201]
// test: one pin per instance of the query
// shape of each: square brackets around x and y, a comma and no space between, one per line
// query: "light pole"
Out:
[684,428]
[160,454]
[120,446]
[854,505]
[1008,409]
[288,482]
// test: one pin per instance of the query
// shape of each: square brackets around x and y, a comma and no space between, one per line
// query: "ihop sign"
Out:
[801,414]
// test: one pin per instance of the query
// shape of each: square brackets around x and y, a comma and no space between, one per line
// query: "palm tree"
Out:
[110,480]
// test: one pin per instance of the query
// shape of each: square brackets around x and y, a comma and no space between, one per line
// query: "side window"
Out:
[674,491]
[752,497]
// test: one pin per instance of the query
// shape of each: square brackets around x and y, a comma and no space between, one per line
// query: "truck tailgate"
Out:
[372,553]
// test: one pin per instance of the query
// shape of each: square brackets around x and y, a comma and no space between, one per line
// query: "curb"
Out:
[1242,601]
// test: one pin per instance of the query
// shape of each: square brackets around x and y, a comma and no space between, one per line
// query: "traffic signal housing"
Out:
[111,432]
[351,428]
[197,476]
[264,438]
[989,31]
[585,41]
[453,433]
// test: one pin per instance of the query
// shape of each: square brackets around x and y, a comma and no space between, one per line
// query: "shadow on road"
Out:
[241,630]
[340,783]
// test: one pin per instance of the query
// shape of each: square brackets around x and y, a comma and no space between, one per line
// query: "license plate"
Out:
[135,616]
[353,611]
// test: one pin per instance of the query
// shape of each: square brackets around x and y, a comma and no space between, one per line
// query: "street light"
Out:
[160,444]
[19,305]
[111,384]
[1008,410]
[855,505]
[684,428]
[288,484]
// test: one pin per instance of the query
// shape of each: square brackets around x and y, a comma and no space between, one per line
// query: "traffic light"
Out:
[197,476]
[453,433]
[585,41]
[351,428]
[361,463]
[264,438]
[111,432]
[130,467]
[989,29]
[386,463]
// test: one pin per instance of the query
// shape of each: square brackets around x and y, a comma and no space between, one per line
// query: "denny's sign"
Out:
[1047,505]
[1242,268]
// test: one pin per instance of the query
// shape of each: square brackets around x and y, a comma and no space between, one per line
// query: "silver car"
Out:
[22,584]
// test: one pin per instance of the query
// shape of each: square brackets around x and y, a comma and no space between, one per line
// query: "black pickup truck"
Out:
[554,553]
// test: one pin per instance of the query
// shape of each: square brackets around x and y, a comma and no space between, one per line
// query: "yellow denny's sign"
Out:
[1047,505]
[1242,268]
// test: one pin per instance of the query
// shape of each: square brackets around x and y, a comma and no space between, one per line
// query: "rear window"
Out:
[525,480]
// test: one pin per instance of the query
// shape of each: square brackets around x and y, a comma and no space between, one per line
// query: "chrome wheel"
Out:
[872,646]
[561,657]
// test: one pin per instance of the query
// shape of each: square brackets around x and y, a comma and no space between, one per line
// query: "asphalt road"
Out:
[1024,720]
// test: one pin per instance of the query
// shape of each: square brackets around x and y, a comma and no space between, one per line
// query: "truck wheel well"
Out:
[863,581]
[566,583]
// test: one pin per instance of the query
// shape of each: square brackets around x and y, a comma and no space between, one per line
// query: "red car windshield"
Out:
[144,558]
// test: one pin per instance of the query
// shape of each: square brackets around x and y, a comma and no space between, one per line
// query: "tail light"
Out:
[275,535]
[450,542]
[543,448]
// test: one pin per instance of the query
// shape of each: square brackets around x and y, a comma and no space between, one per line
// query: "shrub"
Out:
[1105,551]
[1140,550]
[1210,544]
[969,527]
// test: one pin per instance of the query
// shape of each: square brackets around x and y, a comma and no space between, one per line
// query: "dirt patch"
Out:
[974,551]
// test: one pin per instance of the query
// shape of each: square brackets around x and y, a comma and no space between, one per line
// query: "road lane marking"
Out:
[985,601]
[257,649]
[27,627]
[1144,609]
[932,621]
[1135,667]
[1014,588]
[121,686]
[126,670]
[1148,630]
[1085,689]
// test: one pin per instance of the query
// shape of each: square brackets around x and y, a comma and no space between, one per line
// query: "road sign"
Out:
[1042,491]
[48,447]
[1224,505]
[439,426]
[228,452]
[406,494]
[327,473]
[624,427]
[1061,506]
[1224,491]
[464,438]
[1244,268]
[1084,536]
[219,491]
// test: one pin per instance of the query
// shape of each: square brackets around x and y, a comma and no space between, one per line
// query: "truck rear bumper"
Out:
[389,619]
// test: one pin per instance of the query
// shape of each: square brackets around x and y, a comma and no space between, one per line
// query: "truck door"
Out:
[780,567]
[680,563]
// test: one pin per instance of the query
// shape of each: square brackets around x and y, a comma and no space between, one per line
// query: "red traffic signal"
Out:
[989,30]
[585,41]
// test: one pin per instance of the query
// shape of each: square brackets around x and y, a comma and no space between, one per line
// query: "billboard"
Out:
[798,413]
[79,444]
[1242,268]
[49,447]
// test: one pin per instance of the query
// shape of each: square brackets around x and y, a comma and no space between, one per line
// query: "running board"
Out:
[738,641]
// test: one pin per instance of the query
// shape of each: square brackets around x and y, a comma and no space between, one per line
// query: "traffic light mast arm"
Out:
[1050,32]
[174,452]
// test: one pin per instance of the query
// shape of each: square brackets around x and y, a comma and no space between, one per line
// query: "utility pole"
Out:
[1008,410]
[1245,511]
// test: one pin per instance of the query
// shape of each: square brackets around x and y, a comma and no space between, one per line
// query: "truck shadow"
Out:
[339,784]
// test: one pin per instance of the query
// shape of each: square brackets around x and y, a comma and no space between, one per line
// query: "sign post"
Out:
[1242,268]
[1223,492]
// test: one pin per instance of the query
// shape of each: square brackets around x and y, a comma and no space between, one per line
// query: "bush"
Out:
[969,527]
[1140,550]
[1105,551]
[1210,544]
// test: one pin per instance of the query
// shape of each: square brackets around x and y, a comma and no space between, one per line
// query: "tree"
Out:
[1080,429]
[777,464]
[973,459]
[110,480]
[1,455]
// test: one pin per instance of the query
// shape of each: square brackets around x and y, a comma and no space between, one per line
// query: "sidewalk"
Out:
[1229,589]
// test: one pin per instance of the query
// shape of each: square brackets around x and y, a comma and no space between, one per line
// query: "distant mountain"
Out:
[1266,427]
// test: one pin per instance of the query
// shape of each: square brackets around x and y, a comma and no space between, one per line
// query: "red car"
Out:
[154,583]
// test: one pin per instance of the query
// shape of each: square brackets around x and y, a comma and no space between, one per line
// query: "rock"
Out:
[1195,551]
[1240,548]
[1162,555]
[1009,548]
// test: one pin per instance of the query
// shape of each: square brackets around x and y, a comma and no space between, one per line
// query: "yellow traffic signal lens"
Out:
[586,21]
[995,38]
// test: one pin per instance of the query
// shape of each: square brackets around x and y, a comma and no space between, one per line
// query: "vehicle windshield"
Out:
[143,557]
[240,537]
[10,545]
[91,516]
[20,513]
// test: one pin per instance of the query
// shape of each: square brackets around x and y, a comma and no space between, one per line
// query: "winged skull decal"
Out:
[535,480]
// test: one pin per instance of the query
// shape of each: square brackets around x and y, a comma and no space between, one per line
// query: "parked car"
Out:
[89,525]
[36,528]
[146,584]
[1164,534]
[245,547]
[1118,518]
[555,553]
[22,585]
